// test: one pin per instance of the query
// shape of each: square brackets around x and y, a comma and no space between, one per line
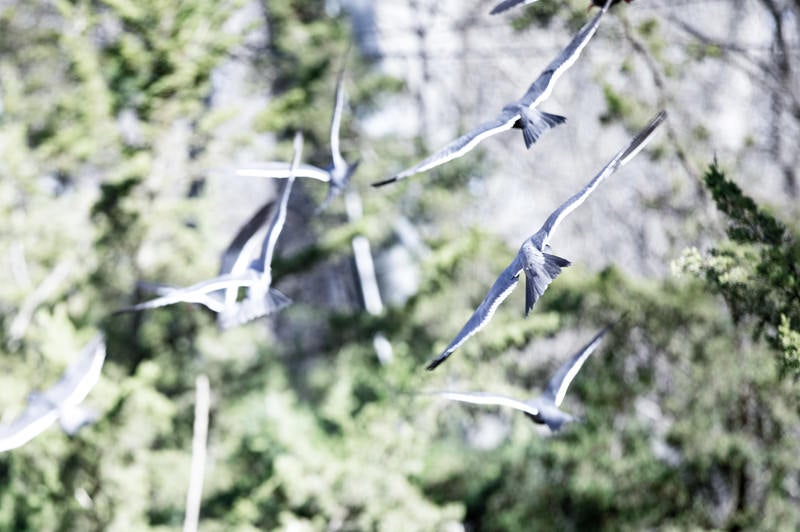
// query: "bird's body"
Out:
[534,257]
[337,174]
[543,409]
[238,270]
[521,114]
[60,402]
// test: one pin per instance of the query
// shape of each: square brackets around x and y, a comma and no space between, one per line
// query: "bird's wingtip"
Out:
[435,362]
[385,181]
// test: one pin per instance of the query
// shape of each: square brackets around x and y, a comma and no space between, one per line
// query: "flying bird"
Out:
[262,299]
[534,257]
[544,409]
[508,4]
[337,174]
[521,114]
[237,271]
[61,402]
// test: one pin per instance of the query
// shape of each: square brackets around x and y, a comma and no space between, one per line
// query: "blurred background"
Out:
[122,124]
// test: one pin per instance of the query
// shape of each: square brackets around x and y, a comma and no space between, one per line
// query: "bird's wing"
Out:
[499,291]
[485,398]
[80,376]
[197,293]
[465,143]
[37,417]
[508,4]
[278,170]
[237,256]
[626,154]
[562,378]
[336,119]
[541,88]
[279,218]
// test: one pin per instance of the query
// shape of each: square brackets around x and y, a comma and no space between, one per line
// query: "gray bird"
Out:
[256,276]
[521,114]
[235,261]
[533,258]
[61,402]
[337,174]
[545,408]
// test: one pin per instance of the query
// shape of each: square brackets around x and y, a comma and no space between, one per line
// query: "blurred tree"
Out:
[109,131]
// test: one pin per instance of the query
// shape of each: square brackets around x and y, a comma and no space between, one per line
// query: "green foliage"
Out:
[756,271]
[684,427]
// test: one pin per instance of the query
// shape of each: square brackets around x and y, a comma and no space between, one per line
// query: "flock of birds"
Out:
[244,269]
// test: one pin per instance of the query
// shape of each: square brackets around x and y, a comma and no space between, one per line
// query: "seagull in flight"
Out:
[61,402]
[508,4]
[262,299]
[236,270]
[544,409]
[521,114]
[534,257]
[337,174]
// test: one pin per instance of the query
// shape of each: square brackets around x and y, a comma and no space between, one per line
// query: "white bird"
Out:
[262,299]
[533,258]
[256,276]
[543,409]
[521,114]
[59,402]
[337,174]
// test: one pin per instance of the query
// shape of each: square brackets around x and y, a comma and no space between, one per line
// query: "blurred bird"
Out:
[59,402]
[508,4]
[533,258]
[262,299]
[236,270]
[521,114]
[543,409]
[337,174]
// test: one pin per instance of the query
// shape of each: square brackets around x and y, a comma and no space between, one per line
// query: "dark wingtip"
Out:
[384,182]
[436,361]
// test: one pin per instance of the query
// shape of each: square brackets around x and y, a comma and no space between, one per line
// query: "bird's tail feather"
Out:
[537,282]
[253,308]
[534,123]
